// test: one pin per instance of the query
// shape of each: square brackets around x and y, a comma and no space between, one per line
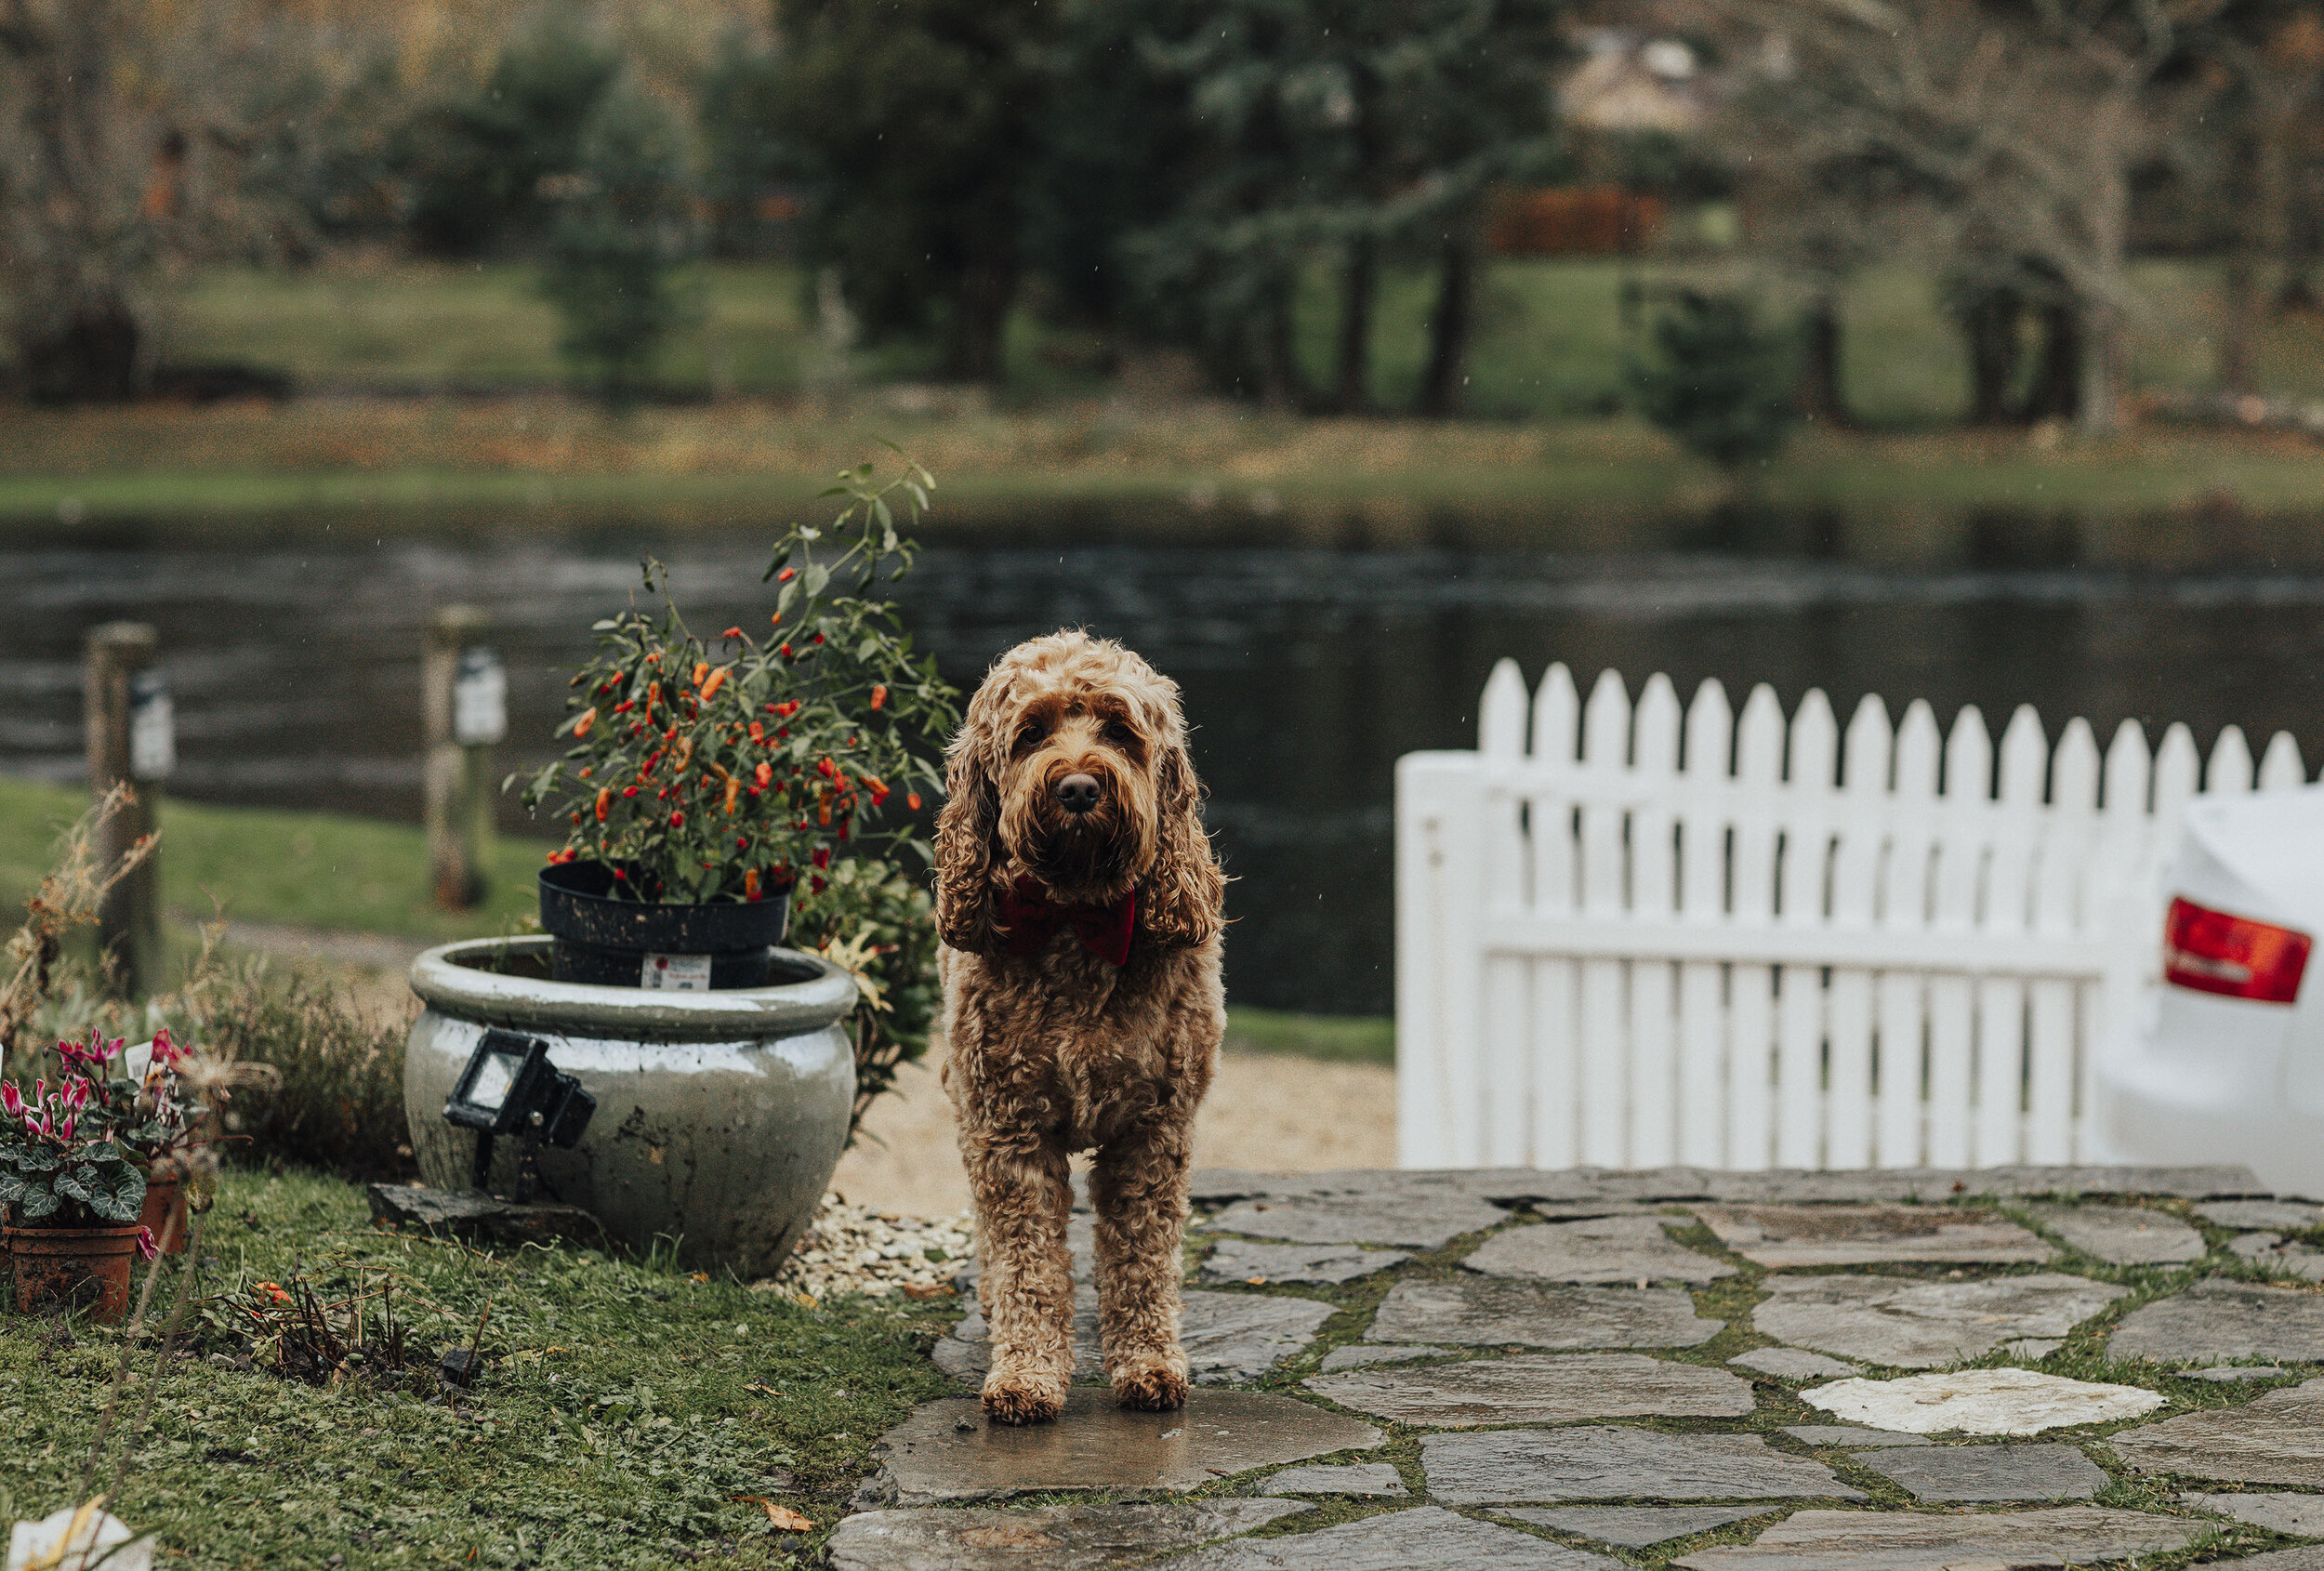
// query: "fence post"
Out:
[464,694]
[130,741]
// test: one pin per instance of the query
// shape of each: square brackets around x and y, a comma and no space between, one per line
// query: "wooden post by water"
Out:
[130,743]
[467,714]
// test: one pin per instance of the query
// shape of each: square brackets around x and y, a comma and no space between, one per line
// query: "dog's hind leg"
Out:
[1023,1196]
[1139,1188]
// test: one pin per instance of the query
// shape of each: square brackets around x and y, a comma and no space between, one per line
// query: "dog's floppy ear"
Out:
[968,825]
[1181,899]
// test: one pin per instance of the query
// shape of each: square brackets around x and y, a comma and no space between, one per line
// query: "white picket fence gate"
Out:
[1735,944]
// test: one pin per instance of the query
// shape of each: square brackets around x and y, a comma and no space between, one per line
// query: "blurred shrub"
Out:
[1720,384]
[478,166]
[339,1102]
[876,921]
[748,168]
[622,226]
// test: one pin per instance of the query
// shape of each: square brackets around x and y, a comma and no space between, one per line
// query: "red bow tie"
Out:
[1033,919]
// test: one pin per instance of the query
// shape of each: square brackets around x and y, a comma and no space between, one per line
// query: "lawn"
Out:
[1550,344]
[630,1415]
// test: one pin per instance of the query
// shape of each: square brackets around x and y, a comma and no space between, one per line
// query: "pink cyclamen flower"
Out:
[64,1131]
[12,1098]
[76,1094]
[165,1050]
[146,1247]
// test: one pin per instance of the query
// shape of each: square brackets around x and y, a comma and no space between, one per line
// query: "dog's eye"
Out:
[1119,733]
[1030,735]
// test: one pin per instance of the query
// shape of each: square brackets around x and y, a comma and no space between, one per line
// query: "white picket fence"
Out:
[1736,943]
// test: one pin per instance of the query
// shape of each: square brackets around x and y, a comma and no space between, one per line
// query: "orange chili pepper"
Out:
[823,809]
[686,752]
[764,772]
[912,801]
[879,694]
[653,696]
[702,669]
[605,801]
[758,731]
[581,726]
[718,679]
[879,788]
[751,883]
[734,789]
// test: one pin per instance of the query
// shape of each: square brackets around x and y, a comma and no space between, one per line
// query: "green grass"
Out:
[264,864]
[1333,1038]
[625,1407]
[1550,340]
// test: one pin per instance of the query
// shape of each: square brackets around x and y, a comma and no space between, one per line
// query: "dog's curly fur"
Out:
[1057,1050]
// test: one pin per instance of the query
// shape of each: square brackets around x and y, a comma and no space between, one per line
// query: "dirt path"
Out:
[1263,1111]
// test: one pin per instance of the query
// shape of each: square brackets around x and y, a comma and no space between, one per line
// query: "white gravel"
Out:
[857,1250]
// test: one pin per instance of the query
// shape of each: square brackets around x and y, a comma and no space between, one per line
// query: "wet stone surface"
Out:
[1835,1541]
[1784,1237]
[1489,1311]
[2274,1252]
[1917,1323]
[1534,1369]
[947,1450]
[1401,1540]
[1427,1219]
[2122,1234]
[1538,1389]
[2214,1321]
[1635,1249]
[1991,1472]
[1238,1259]
[1228,1337]
[1633,1527]
[2278,1437]
[1076,1537]
[1542,1466]
[1379,1479]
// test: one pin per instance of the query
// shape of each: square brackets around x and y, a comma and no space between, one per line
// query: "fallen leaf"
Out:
[699,1277]
[1254,1281]
[787,1520]
[933,1290]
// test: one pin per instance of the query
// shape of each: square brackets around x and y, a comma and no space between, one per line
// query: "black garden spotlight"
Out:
[510,1088]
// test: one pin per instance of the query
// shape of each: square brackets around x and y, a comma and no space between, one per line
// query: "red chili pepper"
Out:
[758,731]
[824,767]
[764,772]
[787,575]
[628,790]
[625,706]
[819,638]
[581,727]
[619,874]
[879,694]
[751,883]
[605,800]
[911,801]
[823,856]
[784,651]
[677,819]
[731,633]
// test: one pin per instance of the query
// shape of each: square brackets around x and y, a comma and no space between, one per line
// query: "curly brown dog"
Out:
[1079,906]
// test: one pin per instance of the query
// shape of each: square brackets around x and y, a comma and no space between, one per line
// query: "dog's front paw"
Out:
[1153,1383]
[1022,1397]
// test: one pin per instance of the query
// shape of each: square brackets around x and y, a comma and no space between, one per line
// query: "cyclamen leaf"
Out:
[37,1203]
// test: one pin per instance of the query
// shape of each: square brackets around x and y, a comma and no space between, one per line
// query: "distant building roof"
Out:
[1628,84]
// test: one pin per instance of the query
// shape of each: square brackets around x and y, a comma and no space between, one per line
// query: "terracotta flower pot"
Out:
[59,1268]
[165,1199]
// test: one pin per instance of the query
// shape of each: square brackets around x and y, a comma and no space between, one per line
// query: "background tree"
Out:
[916,126]
[1716,380]
[623,225]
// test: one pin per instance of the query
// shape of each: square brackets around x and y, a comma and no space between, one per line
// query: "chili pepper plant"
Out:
[736,766]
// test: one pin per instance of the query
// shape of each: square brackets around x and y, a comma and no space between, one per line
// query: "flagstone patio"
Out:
[1579,1369]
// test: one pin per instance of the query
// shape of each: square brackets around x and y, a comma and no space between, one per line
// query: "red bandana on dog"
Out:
[1033,919]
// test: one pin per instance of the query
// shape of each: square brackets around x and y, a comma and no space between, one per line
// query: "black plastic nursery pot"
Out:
[615,943]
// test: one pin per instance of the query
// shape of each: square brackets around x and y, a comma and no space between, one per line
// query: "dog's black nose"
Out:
[1077,793]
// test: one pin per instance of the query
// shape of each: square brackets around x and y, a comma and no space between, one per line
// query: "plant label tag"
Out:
[676,974]
[152,727]
[480,699]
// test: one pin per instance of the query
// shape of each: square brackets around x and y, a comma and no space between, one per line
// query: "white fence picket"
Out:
[1614,949]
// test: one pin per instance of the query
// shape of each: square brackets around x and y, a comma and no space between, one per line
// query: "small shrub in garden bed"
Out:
[337,1104]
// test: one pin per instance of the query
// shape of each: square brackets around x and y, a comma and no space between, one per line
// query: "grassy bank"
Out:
[630,1415]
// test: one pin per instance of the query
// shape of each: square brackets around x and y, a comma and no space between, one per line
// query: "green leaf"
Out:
[37,1203]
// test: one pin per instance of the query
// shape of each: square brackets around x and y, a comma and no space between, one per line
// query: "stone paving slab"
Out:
[1516,1186]
[1379,1479]
[2278,1437]
[1227,1336]
[2295,1516]
[1860,1540]
[2272,1252]
[1361,1353]
[2281,1216]
[1962,1473]
[1425,1219]
[1547,1466]
[2214,1321]
[1403,1540]
[1786,1237]
[1915,1324]
[1852,1438]
[1075,1537]
[1238,1259]
[1791,1364]
[2235,1372]
[1539,1388]
[946,1450]
[1633,1527]
[2123,1235]
[1623,1248]
[2307,1558]
[1982,1402]
[1494,1311]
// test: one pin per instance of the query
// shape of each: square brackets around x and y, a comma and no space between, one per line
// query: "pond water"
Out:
[295,668]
